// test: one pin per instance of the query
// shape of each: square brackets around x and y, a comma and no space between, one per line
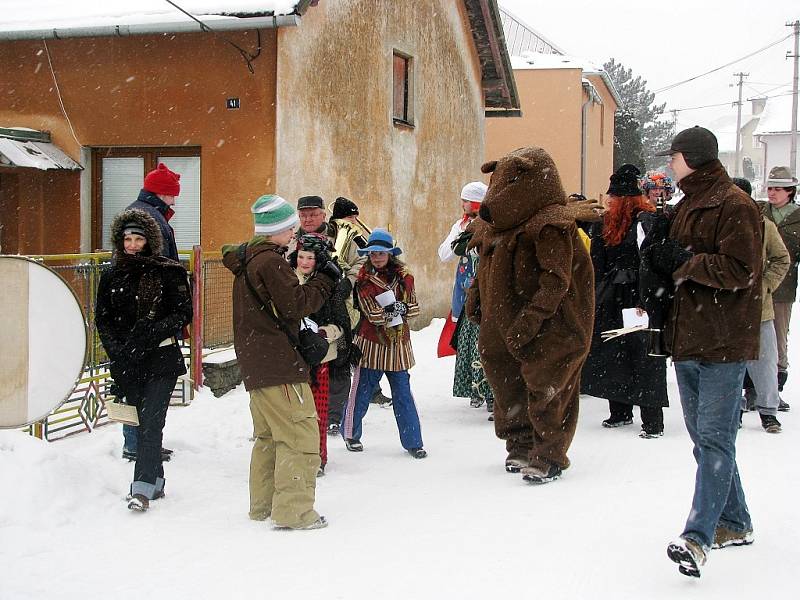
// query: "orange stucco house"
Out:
[567,108]
[377,100]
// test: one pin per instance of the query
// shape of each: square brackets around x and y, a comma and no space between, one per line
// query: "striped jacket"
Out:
[385,348]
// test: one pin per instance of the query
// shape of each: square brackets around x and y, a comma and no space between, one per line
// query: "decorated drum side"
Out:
[43,341]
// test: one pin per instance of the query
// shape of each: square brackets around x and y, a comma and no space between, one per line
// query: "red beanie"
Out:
[163,181]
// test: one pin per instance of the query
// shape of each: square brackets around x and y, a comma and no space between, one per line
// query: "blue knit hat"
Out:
[272,214]
[380,240]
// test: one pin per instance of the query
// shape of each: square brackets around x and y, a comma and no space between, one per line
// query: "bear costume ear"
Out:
[489,167]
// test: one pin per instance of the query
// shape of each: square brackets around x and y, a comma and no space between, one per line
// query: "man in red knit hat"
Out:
[157,197]
[161,187]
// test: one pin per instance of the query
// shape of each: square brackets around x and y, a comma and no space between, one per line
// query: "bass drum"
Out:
[43,341]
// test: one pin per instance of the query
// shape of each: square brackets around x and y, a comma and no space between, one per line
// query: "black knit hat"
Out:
[343,207]
[697,144]
[625,182]
[310,202]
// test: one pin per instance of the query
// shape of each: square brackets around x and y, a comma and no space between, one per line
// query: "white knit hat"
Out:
[474,191]
[272,214]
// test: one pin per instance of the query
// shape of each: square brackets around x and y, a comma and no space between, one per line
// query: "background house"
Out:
[774,134]
[567,108]
[379,101]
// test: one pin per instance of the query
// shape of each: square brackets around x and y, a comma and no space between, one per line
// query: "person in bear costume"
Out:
[535,288]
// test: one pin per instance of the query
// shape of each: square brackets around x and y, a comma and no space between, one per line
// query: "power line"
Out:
[733,62]
[248,57]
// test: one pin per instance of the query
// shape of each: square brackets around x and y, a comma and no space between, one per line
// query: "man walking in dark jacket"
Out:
[713,255]
[157,197]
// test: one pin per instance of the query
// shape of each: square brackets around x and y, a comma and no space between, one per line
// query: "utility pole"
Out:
[796,57]
[738,164]
[674,121]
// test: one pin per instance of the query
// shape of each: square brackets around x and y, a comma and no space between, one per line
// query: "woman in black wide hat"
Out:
[620,370]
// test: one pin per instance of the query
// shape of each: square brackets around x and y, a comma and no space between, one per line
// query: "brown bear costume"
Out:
[535,291]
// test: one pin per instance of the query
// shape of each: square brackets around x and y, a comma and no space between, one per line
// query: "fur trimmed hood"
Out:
[523,182]
[145,221]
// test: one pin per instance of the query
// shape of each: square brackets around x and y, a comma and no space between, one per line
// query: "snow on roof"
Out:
[532,61]
[521,37]
[27,15]
[538,60]
[724,128]
[777,116]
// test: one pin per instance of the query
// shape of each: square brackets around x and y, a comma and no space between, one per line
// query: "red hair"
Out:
[619,216]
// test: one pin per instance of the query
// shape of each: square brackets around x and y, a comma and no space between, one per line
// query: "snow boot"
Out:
[139,503]
[320,523]
[515,465]
[724,537]
[689,555]
[418,452]
[333,429]
[783,406]
[476,402]
[536,476]
[770,424]
[618,421]
[381,400]
[353,445]
[321,471]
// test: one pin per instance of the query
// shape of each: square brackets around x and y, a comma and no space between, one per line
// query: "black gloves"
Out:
[322,256]
[398,309]
[667,257]
[330,269]
[459,245]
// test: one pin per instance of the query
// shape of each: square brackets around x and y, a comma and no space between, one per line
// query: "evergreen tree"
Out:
[638,102]
[627,140]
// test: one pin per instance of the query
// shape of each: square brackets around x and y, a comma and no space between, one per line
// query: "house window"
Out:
[402,89]
[118,174]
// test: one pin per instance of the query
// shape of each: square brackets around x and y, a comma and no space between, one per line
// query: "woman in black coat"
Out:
[143,302]
[620,370]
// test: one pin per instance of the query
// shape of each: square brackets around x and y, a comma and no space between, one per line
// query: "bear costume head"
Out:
[523,182]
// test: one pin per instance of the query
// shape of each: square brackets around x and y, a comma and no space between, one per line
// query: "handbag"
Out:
[311,346]
[122,412]
[445,347]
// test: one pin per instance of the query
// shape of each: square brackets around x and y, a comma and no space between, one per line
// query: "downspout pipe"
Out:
[188,26]
[591,97]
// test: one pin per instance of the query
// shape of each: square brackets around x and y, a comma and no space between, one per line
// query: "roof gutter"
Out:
[188,26]
[592,96]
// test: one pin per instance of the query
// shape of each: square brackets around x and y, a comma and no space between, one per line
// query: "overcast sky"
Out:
[666,42]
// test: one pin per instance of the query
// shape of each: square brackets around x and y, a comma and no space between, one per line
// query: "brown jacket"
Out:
[534,293]
[790,234]
[776,264]
[265,355]
[716,313]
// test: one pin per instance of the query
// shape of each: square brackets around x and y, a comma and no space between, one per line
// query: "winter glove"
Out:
[330,269]
[666,257]
[459,245]
[322,256]
[396,309]
[583,209]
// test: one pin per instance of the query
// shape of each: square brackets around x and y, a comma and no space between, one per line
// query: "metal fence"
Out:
[217,306]
[85,410]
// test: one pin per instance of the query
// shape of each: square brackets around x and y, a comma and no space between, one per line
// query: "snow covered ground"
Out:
[455,525]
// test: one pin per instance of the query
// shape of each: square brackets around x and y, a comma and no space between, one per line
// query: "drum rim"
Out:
[85,341]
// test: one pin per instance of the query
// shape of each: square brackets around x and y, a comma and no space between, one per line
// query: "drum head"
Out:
[43,341]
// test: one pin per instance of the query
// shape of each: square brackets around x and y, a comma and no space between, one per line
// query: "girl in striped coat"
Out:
[384,339]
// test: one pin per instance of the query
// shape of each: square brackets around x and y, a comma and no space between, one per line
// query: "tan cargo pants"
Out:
[285,458]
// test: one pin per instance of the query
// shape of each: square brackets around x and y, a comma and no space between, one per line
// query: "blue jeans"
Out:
[131,436]
[710,397]
[405,411]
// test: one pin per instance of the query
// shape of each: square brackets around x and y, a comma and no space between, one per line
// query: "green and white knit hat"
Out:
[272,214]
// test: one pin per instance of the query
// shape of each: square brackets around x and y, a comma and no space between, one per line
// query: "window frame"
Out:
[148,153]
[407,118]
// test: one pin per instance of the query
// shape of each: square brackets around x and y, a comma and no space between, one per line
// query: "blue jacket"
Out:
[158,209]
